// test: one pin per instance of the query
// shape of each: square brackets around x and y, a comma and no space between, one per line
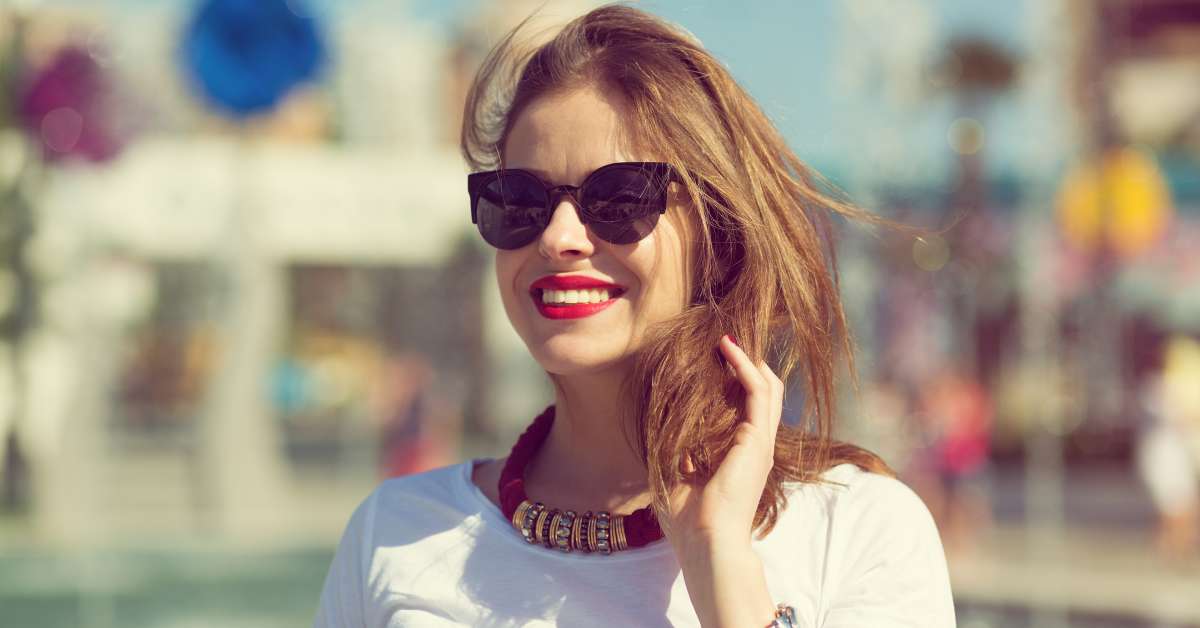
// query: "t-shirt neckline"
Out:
[491,515]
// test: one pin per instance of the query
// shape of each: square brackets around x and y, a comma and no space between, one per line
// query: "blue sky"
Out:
[785,53]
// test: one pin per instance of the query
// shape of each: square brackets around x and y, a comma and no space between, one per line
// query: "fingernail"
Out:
[733,340]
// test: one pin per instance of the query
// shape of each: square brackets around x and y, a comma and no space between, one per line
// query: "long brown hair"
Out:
[764,264]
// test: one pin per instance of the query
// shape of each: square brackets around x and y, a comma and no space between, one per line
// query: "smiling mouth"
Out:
[573,297]
[561,304]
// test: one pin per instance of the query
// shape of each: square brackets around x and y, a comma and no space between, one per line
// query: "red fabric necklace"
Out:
[565,530]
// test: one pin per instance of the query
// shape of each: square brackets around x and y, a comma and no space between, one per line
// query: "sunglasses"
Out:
[619,202]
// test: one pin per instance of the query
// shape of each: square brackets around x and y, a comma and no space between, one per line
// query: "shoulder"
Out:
[866,495]
[411,503]
[884,557]
[863,513]
[439,481]
[399,512]
[850,494]
[869,512]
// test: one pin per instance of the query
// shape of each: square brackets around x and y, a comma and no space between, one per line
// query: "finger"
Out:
[775,403]
[758,393]
[776,386]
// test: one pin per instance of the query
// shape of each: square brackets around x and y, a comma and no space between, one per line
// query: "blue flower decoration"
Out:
[245,55]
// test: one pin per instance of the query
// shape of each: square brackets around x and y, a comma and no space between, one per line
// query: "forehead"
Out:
[563,136]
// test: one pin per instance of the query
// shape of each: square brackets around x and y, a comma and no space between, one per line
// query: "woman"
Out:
[645,214]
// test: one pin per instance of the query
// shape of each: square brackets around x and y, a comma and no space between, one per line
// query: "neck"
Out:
[587,462]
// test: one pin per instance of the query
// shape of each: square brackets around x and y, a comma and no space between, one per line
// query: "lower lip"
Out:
[570,310]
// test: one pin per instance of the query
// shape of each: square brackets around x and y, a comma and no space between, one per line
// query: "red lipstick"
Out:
[571,282]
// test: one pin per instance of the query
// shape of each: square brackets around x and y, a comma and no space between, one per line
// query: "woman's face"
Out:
[562,138]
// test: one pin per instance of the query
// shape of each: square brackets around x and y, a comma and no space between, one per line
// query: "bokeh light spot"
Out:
[966,136]
[930,253]
[61,129]
[98,48]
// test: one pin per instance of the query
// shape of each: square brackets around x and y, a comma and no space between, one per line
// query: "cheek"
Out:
[672,275]
[662,270]
[507,268]
[672,283]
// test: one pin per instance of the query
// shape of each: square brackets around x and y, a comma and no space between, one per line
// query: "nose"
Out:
[566,237]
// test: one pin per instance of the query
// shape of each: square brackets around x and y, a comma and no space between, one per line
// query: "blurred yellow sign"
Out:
[1124,203]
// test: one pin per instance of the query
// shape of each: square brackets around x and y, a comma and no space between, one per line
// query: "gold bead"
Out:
[549,540]
[618,528]
[519,515]
[592,533]
[537,526]
[576,528]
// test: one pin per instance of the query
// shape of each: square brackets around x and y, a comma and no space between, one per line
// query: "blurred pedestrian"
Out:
[955,413]
[1168,452]
[417,432]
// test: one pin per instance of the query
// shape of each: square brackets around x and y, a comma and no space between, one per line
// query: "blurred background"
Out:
[239,286]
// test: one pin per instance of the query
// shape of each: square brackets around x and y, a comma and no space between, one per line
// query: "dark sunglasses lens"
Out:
[623,204]
[511,211]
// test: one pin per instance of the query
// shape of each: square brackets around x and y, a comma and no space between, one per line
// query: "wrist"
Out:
[725,579]
[710,541]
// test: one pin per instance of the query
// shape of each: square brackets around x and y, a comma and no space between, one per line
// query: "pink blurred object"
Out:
[68,107]
[962,415]
[415,456]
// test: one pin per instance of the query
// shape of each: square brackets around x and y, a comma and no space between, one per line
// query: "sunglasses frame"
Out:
[653,169]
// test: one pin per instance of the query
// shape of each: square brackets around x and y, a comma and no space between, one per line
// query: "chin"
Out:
[576,356]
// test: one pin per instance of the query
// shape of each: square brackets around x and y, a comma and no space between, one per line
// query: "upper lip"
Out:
[571,282]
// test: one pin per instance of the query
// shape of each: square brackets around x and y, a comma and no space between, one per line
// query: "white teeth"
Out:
[594,295]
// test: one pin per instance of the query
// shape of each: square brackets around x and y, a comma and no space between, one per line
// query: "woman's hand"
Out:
[725,506]
[710,525]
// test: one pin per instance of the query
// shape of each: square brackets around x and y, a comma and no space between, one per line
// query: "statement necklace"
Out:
[540,524]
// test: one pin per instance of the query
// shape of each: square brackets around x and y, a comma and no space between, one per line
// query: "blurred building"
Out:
[239,322]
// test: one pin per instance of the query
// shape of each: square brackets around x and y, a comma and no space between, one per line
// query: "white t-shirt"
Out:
[431,550]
